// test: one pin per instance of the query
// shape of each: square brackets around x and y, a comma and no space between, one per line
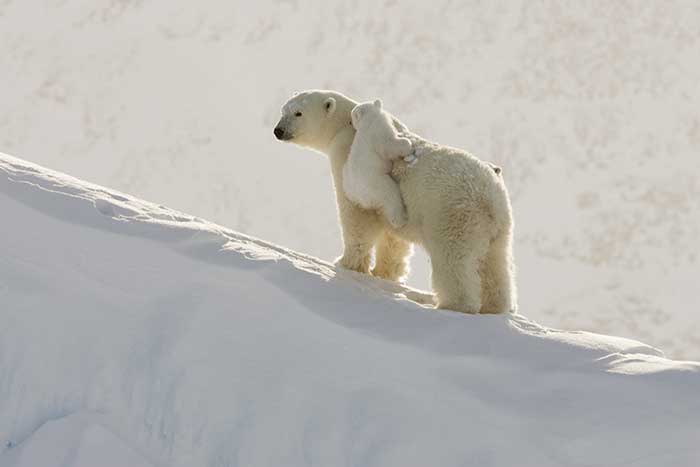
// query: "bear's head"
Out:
[365,113]
[312,118]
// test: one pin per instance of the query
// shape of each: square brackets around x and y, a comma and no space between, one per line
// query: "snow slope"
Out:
[153,338]
[76,440]
[591,108]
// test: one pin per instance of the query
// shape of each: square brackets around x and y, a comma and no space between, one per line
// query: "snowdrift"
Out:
[131,334]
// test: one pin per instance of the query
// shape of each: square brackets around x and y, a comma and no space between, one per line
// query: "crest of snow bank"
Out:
[197,345]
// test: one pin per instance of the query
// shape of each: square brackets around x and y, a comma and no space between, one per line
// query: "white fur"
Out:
[366,175]
[458,209]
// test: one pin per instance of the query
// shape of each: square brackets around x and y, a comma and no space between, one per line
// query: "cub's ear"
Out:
[356,115]
[378,104]
[329,105]
[403,147]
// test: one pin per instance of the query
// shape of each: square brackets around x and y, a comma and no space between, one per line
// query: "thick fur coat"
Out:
[458,209]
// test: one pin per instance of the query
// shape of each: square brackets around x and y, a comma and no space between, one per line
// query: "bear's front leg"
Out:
[360,231]
[356,257]
[392,257]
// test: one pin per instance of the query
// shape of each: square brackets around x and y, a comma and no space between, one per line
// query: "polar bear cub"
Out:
[366,179]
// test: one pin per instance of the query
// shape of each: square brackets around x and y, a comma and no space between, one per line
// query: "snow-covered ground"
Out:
[590,107]
[78,439]
[136,335]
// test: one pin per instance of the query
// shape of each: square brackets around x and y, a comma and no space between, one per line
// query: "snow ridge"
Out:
[151,335]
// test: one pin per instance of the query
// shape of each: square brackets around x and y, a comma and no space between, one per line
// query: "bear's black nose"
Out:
[279,132]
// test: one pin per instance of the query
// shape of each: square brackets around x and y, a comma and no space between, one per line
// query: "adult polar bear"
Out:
[458,209]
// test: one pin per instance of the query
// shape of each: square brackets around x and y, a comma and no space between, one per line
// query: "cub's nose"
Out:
[279,132]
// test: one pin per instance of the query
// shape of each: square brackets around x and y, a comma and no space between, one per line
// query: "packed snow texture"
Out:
[591,108]
[76,440]
[136,335]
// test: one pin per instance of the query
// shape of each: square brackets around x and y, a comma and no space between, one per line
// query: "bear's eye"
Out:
[298,114]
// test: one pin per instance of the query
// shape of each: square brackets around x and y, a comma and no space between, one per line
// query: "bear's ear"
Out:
[378,104]
[329,105]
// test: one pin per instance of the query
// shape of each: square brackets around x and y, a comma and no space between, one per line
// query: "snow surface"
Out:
[591,108]
[133,334]
[76,440]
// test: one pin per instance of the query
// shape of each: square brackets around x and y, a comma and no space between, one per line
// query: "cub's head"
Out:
[365,112]
[312,118]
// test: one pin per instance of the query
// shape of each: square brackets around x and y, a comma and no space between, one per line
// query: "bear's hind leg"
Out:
[455,273]
[498,277]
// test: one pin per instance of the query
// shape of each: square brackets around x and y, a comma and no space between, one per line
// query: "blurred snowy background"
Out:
[591,108]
